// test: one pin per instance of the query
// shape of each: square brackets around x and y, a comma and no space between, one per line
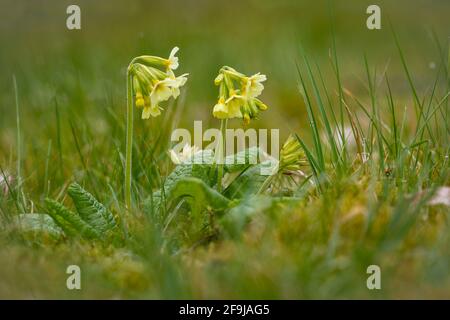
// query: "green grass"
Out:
[373,124]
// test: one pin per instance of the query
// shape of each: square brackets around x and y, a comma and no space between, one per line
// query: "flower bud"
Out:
[261,106]
[246,119]
[139,100]
[218,79]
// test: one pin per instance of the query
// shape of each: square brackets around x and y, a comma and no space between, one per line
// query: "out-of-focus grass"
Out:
[71,96]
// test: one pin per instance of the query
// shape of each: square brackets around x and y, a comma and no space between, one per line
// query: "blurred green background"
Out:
[83,71]
[82,67]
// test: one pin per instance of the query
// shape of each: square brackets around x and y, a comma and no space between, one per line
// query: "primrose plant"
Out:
[151,80]
[203,180]
[237,99]
[228,185]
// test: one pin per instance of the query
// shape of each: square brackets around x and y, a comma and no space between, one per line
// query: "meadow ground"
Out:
[368,110]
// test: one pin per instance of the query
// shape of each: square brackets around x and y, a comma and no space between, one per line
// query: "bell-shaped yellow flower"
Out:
[220,110]
[253,86]
[234,103]
[150,110]
[161,90]
[178,82]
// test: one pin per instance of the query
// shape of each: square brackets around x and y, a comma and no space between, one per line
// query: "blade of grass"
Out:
[21,195]
[324,117]
[313,163]
[313,124]
[47,160]
[83,162]
[58,138]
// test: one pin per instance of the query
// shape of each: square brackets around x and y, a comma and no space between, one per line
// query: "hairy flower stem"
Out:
[129,141]
[221,150]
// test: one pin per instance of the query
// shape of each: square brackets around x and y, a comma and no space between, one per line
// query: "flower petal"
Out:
[146,112]
[220,111]
[173,60]
[173,52]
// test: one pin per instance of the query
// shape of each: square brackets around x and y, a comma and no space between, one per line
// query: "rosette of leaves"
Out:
[191,189]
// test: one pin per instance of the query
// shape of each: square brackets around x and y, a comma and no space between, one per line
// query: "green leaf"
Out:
[152,205]
[243,159]
[237,218]
[200,193]
[38,223]
[247,183]
[70,222]
[200,166]
[90,210]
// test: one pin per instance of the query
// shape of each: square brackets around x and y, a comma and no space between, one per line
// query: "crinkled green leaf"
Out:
[70,222]
[243,159]
[199,166]
[38,223]
[90,210]
[153,203]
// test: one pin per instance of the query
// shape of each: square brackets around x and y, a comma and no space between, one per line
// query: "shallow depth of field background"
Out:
[83,73]
[85,69]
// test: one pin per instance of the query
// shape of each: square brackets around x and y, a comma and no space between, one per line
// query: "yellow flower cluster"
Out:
[154,82]
[238,95]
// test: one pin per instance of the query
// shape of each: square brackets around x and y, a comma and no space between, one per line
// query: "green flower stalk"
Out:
[150,81]
[237,99]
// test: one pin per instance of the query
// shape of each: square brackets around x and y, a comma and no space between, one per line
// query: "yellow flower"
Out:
[161,90]
[227,109]
[178,82]
[172,62]
[239,93]
[220,110]
[149,110]
[234,104]
[139,100]
[253,86]
[151,85]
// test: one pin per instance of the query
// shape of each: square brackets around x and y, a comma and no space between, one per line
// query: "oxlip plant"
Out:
[237,99]
[150,81]
[195,185]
